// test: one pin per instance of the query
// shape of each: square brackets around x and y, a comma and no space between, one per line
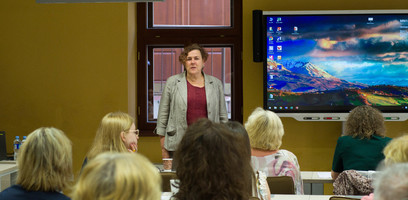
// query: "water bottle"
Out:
[16,144]
[22,141]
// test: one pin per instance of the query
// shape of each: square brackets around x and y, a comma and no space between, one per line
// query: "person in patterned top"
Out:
[265,130]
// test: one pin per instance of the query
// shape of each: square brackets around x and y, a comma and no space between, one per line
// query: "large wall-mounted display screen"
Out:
[332,61]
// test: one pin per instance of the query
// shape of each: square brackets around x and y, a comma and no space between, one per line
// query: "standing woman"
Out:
[188,96]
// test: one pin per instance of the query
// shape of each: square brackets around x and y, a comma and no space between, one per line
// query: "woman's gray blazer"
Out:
[172,117]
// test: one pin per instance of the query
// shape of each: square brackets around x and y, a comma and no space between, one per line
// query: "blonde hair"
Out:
[364,121]
[397,150]
[108,136]
[118,176]
[45,161]
[265,129]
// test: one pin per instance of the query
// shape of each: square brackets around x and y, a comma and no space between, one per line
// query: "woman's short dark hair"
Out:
[211,164]
[364,121]
[188,48]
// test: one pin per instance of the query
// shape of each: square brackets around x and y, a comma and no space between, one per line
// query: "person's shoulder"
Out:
[381,138]
[11,192]
[287,153]
[387,139]
[53,196]
[284,151]
[12,189]
[175,78]
[212,78]
[346,138]
[63,197]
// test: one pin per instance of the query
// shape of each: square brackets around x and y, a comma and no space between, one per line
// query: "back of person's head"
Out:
[211,165]
[265,129]
[240,132]
[364,121]
[396,151]
[108,135]
[45,161]
[392,183]
[118,176]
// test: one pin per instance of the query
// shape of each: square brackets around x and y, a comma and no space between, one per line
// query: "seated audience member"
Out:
[260,187]
[361,146]
[118,176]
[211,164]
[116,133]
[265,130]
[395,152]
[392,183]
[44,167]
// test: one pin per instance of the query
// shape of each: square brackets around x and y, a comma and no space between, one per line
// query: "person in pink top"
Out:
[265,130]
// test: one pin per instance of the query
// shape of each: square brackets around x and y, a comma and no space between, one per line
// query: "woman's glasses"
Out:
[133,131]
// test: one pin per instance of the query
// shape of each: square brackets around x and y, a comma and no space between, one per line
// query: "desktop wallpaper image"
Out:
[337,60]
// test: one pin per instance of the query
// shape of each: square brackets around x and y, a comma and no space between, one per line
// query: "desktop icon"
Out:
[278,19]
[279,39]
[279,28]
[279,48]
[295,28]
[279,57]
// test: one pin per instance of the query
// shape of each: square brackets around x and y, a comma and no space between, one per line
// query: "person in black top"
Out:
[44,167]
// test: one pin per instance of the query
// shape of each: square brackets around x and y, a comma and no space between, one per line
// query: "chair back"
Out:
[166,177]
[342,198]
[281,184]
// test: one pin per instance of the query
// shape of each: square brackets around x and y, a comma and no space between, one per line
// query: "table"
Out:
[167,195]
[313,181]
[8,174]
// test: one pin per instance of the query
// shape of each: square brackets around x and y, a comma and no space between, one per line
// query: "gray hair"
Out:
[392,183]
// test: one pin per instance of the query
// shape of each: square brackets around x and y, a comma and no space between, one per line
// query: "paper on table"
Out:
[324,175]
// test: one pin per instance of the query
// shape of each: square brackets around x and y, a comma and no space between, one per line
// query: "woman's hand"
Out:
[133,148]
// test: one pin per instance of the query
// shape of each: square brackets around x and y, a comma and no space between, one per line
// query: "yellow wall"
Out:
[66,65]
[62,65]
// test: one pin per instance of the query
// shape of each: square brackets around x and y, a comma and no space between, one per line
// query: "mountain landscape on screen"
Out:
[303,82]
